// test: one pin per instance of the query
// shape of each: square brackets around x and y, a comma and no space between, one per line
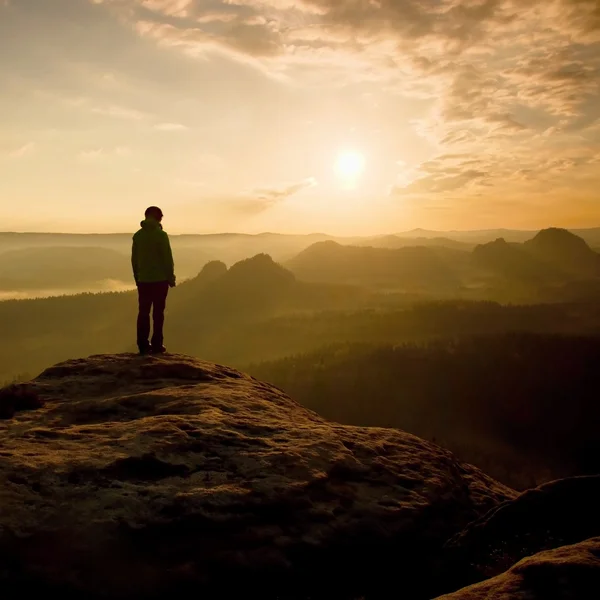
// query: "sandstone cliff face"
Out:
[146,476]
[565,573]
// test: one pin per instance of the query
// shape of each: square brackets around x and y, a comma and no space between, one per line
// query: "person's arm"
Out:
[134,260]
[168,258]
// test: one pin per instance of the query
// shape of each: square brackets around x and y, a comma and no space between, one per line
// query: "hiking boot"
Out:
[158,350]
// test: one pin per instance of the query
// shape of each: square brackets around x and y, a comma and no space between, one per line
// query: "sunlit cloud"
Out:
[486,57]
[443,174]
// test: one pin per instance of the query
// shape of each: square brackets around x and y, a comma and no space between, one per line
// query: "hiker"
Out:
[154,274]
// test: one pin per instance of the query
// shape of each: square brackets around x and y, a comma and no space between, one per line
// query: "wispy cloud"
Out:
[170,127]
[119,112]
[444,174]
[93,155]
[273,194]
[22,151]
[258,200]
[240,209]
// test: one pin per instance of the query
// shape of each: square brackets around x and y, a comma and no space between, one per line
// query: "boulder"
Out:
[555,514]
[138,477]
[565,573]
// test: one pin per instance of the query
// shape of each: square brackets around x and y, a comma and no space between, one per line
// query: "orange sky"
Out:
[368,116]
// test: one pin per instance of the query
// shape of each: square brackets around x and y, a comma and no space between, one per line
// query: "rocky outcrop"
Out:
[566,573]
[555,514]
[137,477]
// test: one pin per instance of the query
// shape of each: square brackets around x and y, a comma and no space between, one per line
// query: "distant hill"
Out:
[19,241]
[396,241]
[252,288]
[477,236]
[252,285]
[235,247]
[482,236]
[566,251]
[210,312]
[410,269]
[191,252]
[513,262]
[61,267]
[551,256]
[421,263]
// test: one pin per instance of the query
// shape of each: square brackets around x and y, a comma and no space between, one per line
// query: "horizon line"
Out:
[241,233]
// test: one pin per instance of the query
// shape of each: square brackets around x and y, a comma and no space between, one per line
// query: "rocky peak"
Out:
[557,239]
[566,250]
[212,270]
[260,269]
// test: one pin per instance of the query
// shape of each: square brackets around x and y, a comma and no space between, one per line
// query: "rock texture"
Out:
[566,573]
[137,477]
[555,514]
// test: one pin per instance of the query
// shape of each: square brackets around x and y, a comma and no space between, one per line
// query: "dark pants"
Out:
[151,296]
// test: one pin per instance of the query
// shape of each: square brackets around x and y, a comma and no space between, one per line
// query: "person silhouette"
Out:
[154,274]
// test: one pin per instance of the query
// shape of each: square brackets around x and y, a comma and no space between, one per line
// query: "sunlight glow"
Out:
[349,166]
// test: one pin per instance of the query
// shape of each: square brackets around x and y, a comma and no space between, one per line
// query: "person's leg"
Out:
[143,320]
[161,291]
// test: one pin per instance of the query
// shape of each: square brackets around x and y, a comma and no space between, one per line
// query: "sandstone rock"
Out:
[555,514]
[565,573]
[141,477]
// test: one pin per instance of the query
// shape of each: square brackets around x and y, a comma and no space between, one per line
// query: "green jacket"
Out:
[151,256]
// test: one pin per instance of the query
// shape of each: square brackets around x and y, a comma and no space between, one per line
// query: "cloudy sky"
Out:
[345,116]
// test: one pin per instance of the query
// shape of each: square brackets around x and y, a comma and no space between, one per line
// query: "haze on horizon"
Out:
[357,117]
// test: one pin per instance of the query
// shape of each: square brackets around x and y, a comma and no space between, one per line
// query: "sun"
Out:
[349,166]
